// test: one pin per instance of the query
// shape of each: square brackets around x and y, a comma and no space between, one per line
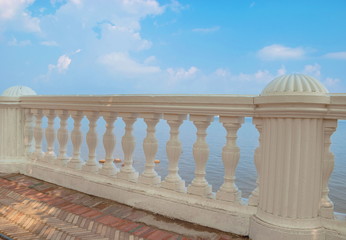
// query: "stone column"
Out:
[292,154]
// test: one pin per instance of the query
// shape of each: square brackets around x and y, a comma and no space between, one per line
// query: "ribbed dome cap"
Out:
[18,91]
[294,84]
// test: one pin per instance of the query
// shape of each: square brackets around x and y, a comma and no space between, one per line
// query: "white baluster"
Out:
[109,168]
[127,172]
[91,165]
[62,137]
[230,157]
[254,197]
[199,185]
[38,134]
[50,136]
[76,137]
[327,206]
[150,146]
[173,148]
[28,133]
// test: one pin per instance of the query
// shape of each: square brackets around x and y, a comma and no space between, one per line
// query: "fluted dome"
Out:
[294,84]
[18,91]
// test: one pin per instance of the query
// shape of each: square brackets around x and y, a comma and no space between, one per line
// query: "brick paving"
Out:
[33,209]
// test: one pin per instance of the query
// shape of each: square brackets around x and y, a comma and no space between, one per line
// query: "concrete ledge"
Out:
[206,212]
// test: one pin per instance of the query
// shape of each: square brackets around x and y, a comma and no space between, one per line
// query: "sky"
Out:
[169,46]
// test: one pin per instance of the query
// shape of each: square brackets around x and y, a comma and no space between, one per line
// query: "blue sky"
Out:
[169,46]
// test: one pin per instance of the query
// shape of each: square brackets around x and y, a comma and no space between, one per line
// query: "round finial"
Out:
[294,84]
[18,91]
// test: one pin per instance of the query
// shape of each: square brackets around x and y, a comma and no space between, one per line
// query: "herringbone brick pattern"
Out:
[34,209]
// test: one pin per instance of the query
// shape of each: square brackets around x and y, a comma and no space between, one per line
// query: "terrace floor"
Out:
[34,209]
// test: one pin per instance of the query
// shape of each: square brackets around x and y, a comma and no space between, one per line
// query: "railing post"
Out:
[50,136]
[230,157]
[76,137]
[128,142]
[253,199]
[173,148]
[199,185]
[108,168]
[63,136]
[327,206]
[293,144]
[91,165]
[38,134]
[28,133]
[150,146]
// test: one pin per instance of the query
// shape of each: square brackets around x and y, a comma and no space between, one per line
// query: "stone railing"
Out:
[293,160]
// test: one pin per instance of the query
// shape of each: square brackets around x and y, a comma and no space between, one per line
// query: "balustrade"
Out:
[76,137]
[108,168]
[293,159]
[50,136]
[128,143]
[63,136]
[230,157]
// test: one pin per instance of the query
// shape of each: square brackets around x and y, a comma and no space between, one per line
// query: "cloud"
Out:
[277,51]
[181,73]
[49,43]
[62,65]
[15,42]
[120,62]
[281,70]
[336,55]
[206,30]
[331,82]
[13,15]
[314,70]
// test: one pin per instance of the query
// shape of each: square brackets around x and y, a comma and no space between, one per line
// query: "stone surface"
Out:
[34,209]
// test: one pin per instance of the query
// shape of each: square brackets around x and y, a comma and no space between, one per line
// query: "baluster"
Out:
[128,143]
[253,199]
[173,148]
[91,165]
[199,185]
[327,206]
[38,134]
[109,168]
[28,133]
[50,136]
[150,146]
[230,157]
[62,137]
[76,137]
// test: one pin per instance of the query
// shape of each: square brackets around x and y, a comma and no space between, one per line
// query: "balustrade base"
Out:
[327,212]
[91,168]
[228,196]
[175,186]
[253,200]
[152,180]
[201,190]
[108,171]
[74,165]
[129,176]
[260,230]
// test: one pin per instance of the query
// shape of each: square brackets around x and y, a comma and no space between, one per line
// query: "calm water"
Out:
[247,141]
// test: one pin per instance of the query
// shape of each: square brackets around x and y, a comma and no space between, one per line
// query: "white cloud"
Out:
[119,62]
[220,72]
[49,43]
[331,82]
[15,42]
[62,65]
[206,30]
[277,51]
[281,70]
[314,70]
[336,55]
[181,73]
[13,11]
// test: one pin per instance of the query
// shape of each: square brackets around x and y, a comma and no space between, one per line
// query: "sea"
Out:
[247,141]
